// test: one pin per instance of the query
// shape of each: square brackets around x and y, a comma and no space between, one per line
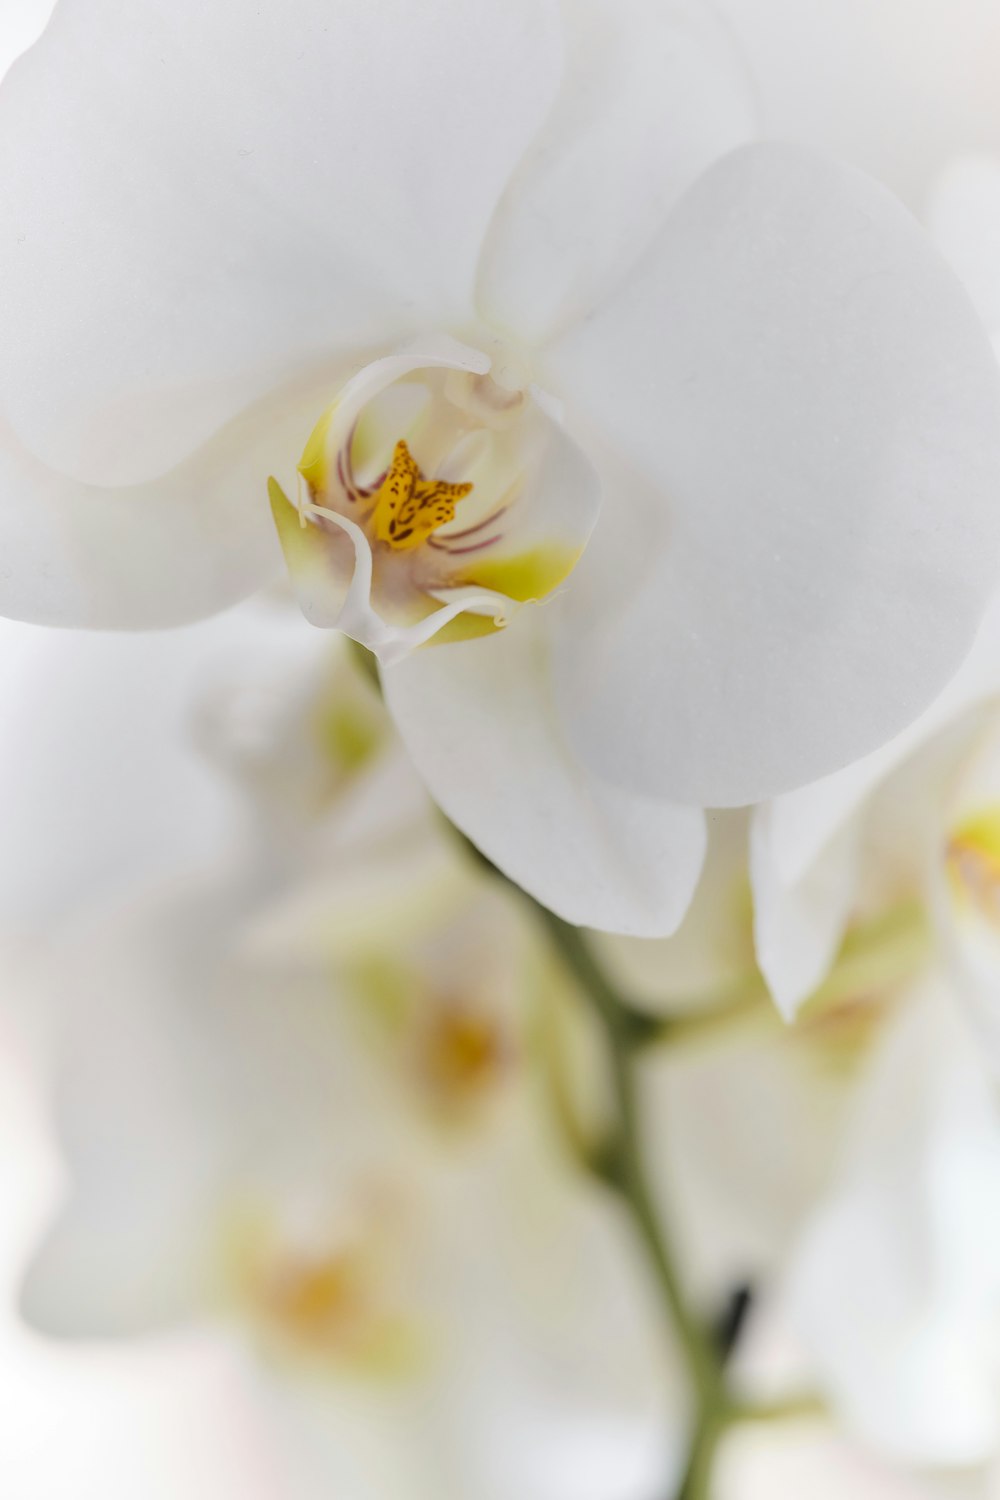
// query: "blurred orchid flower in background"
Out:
[894,1285]
[341,1141]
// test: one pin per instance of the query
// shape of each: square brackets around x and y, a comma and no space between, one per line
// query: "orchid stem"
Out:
[625,1171]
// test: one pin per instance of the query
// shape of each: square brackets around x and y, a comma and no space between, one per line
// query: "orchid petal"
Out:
[711,953]
[808,389]
[798,926]
[477,721]
[897,1276]
[801,823]
[894,93]
[963,216]
[541,532]
[23,23]
[653,93]
[739,1137]
[228,196]
[139,557]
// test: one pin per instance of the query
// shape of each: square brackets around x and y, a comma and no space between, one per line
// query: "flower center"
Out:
[973,863]
[408,507]
[320,1301]
[463,1053]
[328,1292]
[374,543]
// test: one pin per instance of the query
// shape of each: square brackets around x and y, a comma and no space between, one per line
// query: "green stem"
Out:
[711,1424]
[626,1167]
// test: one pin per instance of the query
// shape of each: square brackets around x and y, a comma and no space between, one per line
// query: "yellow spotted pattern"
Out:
[408,507]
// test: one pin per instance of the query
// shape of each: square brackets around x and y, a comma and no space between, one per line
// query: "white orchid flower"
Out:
[895,1286]
[112,750]
[346,1154]
[455,244]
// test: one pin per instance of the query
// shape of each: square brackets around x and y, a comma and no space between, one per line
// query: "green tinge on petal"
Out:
[307,550]
[296,542]
[315,462]
[465,627]
[525,576]
[349,735]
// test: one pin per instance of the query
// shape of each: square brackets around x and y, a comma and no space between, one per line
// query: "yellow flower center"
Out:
[973,860]
[408,507]
[335,1299]
[320,1301]
[464,1052]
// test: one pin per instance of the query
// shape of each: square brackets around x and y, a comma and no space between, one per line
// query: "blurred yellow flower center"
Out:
[331,1298]
[408,507]
[973,861]
[317,1301]
[463,1052]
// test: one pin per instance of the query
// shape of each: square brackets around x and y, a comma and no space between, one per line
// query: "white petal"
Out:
[126,1251]
[711,956]
[963,216]
[807,1457]
[739,1133]
[176,549]
[653,93]
[546,528]
[888,88]
[477,720]
[801,823]
[198,204]
[961,889]
[896,1287]
[101,785]
[809,389]
[798,926]
[23,22]
[103,1272]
